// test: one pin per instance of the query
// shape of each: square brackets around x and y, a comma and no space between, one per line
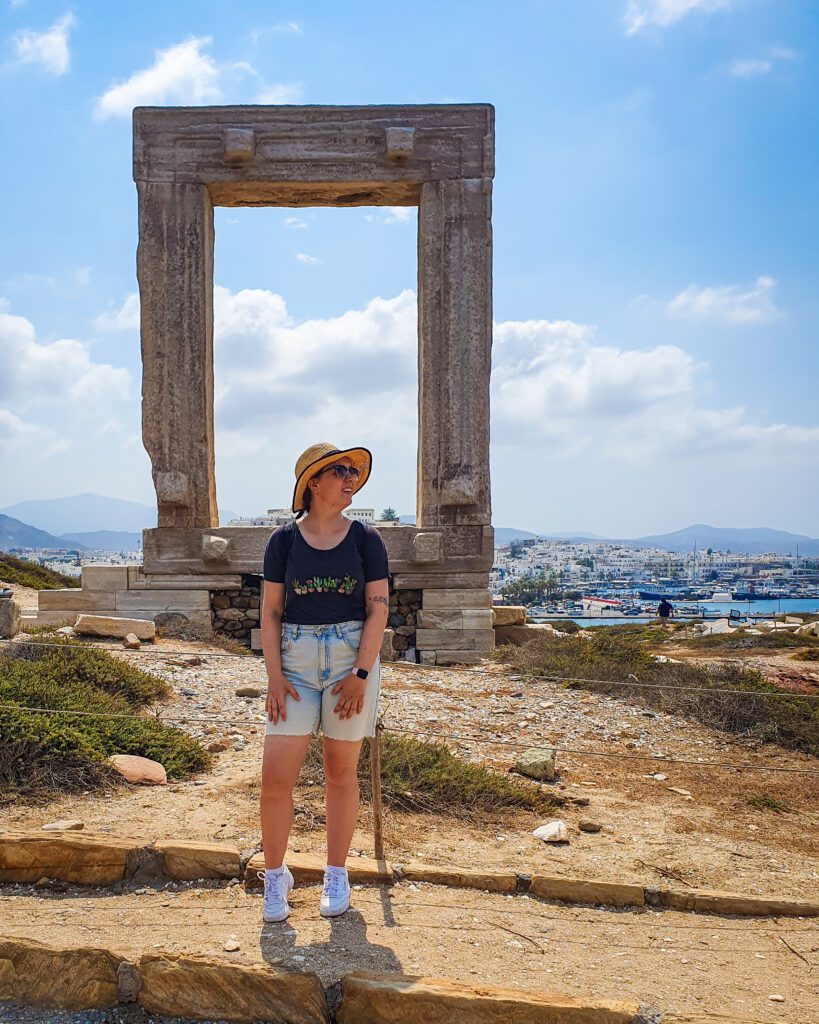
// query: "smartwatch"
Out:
[362,673]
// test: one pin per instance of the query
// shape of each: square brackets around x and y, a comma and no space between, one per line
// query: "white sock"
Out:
[332,870]
[274,871]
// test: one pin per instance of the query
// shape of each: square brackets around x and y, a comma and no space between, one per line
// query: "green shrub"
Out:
[28,574]
[41,752]
[605,655]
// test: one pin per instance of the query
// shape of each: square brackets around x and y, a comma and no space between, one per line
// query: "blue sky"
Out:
[656,220]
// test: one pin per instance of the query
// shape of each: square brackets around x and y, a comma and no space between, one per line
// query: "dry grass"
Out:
[428,777]
[621,658]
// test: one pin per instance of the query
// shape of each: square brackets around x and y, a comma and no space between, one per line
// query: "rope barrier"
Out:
[550,676]
[655,759]
[511,744]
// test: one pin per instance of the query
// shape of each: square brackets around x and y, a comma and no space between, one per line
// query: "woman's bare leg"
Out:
[341,800]
[283,757]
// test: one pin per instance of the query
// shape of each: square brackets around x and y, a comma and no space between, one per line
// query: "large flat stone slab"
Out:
[461,878]
[65,979]
[705,901]
[205,988]
[308,867]
[389,998]
[581,890]
[114,626]
[82,857]
[188,860]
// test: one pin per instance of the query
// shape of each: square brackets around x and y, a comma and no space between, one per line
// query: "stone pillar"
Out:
[175,271]
[454,352]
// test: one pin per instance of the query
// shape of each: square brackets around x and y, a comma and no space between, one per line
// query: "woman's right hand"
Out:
[277,690]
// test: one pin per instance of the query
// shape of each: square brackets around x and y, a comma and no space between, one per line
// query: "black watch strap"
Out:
[362,673]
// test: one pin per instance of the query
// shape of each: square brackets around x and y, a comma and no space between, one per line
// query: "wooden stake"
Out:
[378,809]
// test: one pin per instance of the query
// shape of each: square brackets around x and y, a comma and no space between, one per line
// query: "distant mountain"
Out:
[106,540]
[84,513]
[16,534]
[755,541]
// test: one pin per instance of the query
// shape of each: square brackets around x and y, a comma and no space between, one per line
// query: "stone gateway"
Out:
[439,158]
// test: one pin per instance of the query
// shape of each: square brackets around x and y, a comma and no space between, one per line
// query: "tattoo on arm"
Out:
[378,600]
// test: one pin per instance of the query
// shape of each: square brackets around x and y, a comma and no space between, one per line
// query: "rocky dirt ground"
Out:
[708,836]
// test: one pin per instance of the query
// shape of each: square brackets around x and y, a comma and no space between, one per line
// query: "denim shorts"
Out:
[314,658]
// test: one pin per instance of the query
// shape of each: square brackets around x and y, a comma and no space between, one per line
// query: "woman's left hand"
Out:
[351,691]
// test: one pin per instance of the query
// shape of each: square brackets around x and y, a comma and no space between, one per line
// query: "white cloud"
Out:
[282,92]
[34,373]
[286,27]
[731,304]
[49,48]
[755,66]
[181,74]
[19,437]
[296,223]
[393,215]
[644,14]
[750,68]
[310,261]
[126,318]
[555,387]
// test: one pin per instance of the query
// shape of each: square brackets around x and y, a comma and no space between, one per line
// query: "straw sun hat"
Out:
[317,456]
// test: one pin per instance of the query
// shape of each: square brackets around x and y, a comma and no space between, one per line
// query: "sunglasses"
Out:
[341,472]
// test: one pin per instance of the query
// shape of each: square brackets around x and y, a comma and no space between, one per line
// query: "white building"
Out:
[282,516]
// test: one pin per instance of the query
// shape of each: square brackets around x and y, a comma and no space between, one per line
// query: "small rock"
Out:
[587,825]
[658,776]
[186,692]
[681,792]
[218,746]
[552,832]
[64,825]
[66,631]
[249,691]
[232,945]
[140,770]
[776,998]
[210,730]
[131,642]
[537,763]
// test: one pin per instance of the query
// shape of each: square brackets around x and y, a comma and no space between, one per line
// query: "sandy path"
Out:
[668,961]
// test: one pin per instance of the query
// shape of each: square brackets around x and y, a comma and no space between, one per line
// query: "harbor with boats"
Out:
[600,583]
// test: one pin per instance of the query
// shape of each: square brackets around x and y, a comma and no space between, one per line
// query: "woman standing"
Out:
[324,610]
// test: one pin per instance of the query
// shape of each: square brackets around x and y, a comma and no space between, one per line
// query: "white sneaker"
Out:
[276,888]
[335,896]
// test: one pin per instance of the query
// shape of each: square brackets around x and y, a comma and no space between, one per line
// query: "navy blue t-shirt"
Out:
[323,587]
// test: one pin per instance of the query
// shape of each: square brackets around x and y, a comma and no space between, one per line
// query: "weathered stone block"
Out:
[461,878]
[455,618]
[71,600]
[445,598]
[239,144]
[400,142]
[65,979]
[109,625]
[509,615]
[82,857]
[153,601]
[10,618]
[104,577]
[209,989]
[455,639]
[521,634]
[458,657]
[187,860]
[215,550]
[386,998]
[308,867]
[580,890]
[426,547]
